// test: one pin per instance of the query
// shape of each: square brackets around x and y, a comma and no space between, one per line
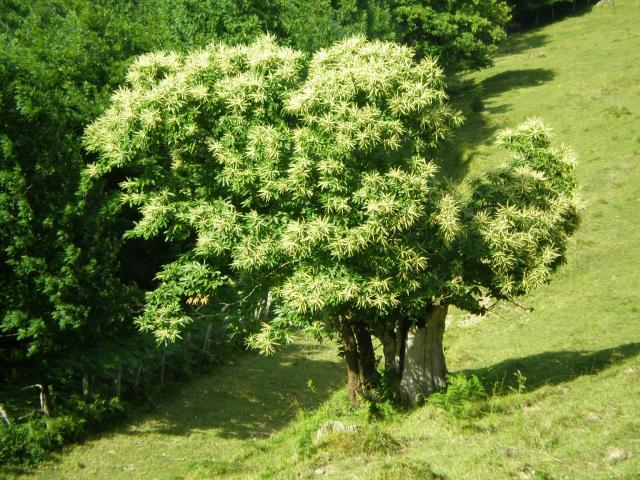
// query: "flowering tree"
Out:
[303,194]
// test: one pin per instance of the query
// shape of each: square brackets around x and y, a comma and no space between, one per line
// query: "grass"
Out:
[564,378]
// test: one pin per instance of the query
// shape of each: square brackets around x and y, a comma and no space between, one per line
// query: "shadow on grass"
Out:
[253,398]
[552,368]
[478,101]
[512,79]
[520,42]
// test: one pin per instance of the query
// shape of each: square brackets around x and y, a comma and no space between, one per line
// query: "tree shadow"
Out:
[514,79]
[553,12]
[478,101]
[552,368]
[520,42]
[253,398]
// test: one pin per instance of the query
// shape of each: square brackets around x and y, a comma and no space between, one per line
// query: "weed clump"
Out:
[370,440]
[407,469]
[464,398]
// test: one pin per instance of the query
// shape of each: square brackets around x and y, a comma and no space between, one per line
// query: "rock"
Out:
[527,472]
[335,426]
[616,454]
[326,470]
[473,319]
[510,452]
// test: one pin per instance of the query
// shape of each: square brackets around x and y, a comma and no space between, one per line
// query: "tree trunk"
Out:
[351,356]
[391,359]
[370,375]
[424,370]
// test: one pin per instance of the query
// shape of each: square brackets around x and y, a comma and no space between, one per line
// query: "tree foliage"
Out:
[313,182]
[463,35]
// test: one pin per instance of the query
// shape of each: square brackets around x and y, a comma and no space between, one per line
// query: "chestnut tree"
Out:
[304,192]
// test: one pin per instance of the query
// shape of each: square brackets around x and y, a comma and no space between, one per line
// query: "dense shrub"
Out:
[465,397]
[32,441]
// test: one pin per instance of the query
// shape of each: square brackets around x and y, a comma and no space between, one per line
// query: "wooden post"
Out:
[44,399]
[187,341]
[86,385]
[118,379]
[4,416]
[207,339]
[136,384]
[185,357]
[52,400]
[162,365]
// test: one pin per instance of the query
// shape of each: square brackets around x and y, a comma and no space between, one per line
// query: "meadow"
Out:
[562,369]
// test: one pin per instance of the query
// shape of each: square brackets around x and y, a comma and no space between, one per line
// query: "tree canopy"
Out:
[311,185]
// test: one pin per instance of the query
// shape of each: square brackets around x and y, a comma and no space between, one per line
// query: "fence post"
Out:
[86,385]
[207,339]
[4,416]
[118,379]
[162,365]
[136,384]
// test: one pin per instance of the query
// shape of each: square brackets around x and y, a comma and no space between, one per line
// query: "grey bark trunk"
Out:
[424,370]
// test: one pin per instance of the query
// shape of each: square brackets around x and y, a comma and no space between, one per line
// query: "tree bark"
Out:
[370,375]
[350,346]
[390,351]
[424,367]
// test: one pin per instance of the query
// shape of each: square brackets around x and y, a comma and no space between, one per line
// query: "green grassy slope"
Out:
[578,349]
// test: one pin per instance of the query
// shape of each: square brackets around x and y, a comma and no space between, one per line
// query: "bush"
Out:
[407,469]
[465,396]
[31,442]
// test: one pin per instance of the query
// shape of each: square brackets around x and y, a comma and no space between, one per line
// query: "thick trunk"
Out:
[391,358]
[351,356]
[424,368]
[393,345]
[370,375]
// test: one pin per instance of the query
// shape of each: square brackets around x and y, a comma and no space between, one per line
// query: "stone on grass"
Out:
[333,426]
[615,454]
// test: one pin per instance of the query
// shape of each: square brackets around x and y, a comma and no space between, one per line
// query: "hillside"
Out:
[564,378]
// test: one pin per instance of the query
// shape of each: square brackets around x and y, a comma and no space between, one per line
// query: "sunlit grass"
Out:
[564,379]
